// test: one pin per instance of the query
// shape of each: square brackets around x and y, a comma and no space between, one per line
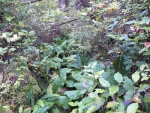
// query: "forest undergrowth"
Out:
[81,56]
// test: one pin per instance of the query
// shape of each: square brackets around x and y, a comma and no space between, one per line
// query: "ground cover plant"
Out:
[75,56]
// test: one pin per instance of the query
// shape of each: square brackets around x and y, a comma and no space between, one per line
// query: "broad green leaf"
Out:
[70,58]
[73,103]
[69,83]
[128,83]
[113,89]
[104,83]
[20,109]
[2,50]
[21,34]
[91,88]
[98,74]
[128,95]
[146,28]
[62,101]
[144,77]
[99,90]
[91,109]
[56,59]
[118,77]
[40,102]
[55,110]
[21,24]
[77,75]
[12,49]
[132,108]
[74,110]
[65,70]
[27,110]
[35,108]
[144,87]
[146,53]
[135,76]
[146,99]
[93,95]
[92,100]
[74,94]
[57,84]
[43,109]
[112,104]
[142,67]
[57,99]
[84,84]
[121,107]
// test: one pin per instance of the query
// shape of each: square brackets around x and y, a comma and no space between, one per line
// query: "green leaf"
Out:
[92,100]
[55,110]
[135,76]
[146,28]
[73,103]
[20,109]
[75,94]
[12,49]
[129,94]
[112,104]
[21,24]
[57,99]
[132,108]
[118,77]
[74,110]
[104,83]
[43,109]
[121,107]
[91,109]
[40,102]
[70,83]
[77,75]
[99,90]
[65,70]
[144,87]
[128,83]
[56,59]
[27,110]
[146,99]
[113,89]
[57,84]
[62,101]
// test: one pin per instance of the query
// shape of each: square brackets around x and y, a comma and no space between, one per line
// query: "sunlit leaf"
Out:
[135,76]
[112,104]
[132,108]
[118,77]
[113,89]
[104,82]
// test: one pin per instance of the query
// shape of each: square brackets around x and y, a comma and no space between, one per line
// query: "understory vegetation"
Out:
[74,56]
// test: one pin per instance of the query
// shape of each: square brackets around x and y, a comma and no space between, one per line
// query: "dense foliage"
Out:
[81,56]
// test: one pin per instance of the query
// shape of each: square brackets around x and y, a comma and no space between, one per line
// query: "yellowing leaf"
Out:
[99,90]
[112,104]
[135,98]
